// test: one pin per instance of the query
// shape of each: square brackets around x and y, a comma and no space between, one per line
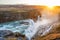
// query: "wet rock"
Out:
[4,33]
[17,34]
[2,38]
[57,39]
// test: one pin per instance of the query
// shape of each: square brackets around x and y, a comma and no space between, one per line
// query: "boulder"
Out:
[5,33]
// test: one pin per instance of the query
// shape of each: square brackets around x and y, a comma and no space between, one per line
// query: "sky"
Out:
[31,2]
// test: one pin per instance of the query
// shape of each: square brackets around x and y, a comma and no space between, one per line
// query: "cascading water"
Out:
[17,26]
[32,30]
[29,30]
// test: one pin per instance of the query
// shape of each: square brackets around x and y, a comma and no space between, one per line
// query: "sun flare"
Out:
[51,7]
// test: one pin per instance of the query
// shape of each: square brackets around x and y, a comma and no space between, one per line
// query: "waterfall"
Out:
[29,30]
[32,30]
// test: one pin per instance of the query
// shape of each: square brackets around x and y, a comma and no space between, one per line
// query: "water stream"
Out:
[32,30]
[26,27]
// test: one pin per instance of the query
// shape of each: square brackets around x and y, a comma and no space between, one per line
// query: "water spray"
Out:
[32,30]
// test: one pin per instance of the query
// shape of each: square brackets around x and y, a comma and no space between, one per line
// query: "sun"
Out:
[50,6]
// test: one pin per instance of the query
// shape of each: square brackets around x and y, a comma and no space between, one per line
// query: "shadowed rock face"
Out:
[17,34]
[5,32]
[2,38]
[8,35]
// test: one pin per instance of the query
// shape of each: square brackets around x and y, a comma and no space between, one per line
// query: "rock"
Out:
[2,38]
[4,33]
[11,38]
[17,34]
[57,39]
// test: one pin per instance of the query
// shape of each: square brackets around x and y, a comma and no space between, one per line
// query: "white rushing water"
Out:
[17,26]
[32,30]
